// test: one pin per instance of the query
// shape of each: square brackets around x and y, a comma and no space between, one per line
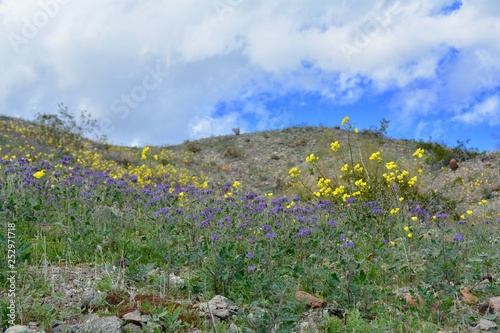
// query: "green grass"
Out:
[364,255]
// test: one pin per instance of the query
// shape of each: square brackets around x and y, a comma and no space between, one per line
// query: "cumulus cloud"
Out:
[156,71]
[486,111]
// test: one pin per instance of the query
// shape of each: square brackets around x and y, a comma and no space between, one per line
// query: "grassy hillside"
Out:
[381,229]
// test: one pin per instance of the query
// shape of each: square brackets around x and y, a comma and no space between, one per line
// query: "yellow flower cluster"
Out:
[324,187]
[294,172]
[311,158]
[334,146]
[360,183]
[358,168]
[345,120]
[144,153]
[39,174]
[419,153]
[391,165]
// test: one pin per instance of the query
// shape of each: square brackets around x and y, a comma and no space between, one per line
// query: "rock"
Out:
[219,306]
[310,300]
[175,281]
[453,164]
[234,329]
[486,325]
[468,297]
[102,325]
[61,328]
[135,318]
[90,300]
[132,328]
[495,304]
[18,329]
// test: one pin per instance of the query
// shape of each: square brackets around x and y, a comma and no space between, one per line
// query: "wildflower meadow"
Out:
[356,223]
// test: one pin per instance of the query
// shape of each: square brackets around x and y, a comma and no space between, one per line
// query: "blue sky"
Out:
[161,72]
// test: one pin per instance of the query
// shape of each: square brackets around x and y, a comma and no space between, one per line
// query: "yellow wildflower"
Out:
[345,120]
[39,174]
[414,218]
[334,146]
[311,158]
[236,184]
[375,156]
[144,153]
[406,228]
[419,153]
[294,172]
[469,212]
[394,211]
[391,165]
[410,235]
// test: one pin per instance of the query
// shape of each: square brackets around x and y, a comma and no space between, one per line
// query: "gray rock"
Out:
[131,328]
[102,325]
[90,300]
[175,281]
[136,318]
[220,307]
[234,329]
[486,325]
[19,329]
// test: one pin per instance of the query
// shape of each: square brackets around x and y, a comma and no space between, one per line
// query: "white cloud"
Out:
[487,111]
[95,52]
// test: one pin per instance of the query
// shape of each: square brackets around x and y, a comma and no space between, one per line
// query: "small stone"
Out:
[468,297]
[495,304]
[310,300]
[32,325]
[103,325]
[135,317]
[88,300]
[175,281]
[219,306]
[486,325]
[17,329]
[132,328]
[234,329]
[453,164]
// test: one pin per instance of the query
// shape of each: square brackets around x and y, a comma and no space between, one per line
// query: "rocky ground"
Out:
[75,290]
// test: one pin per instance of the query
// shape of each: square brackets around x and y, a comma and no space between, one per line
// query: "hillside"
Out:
[306,229]
[261,160]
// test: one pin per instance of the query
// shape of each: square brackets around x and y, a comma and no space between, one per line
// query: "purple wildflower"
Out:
[214,237]
[252,268]
[249,255]
[458,238]
[270,235]
[304,232]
